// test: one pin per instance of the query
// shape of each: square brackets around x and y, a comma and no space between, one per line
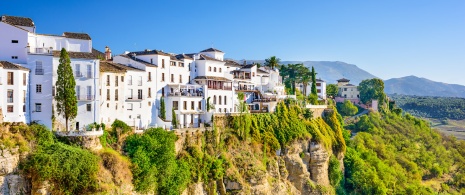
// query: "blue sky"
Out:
[389,39]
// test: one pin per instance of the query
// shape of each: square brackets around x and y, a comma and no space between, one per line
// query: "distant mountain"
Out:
[412,85]
[331,71]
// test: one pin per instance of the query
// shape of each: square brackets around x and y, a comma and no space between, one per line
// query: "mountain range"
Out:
[331,71]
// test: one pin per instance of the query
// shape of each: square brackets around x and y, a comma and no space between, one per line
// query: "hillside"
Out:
[412,85]
[432,107]
[331,71]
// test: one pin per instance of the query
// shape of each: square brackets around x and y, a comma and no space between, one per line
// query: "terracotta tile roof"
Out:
[232,63]
[11,66]
[77,55]
[248,66]
[150,52]
[18,21]
[204,57]
[211,78]
[319,80]
[349,85]
[184,56]
[211,49]
[98,54]
[138,60]
[262,71]
[343,80]
[72,35]
[107,66]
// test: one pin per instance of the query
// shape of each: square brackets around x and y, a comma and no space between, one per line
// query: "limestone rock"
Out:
[319,162]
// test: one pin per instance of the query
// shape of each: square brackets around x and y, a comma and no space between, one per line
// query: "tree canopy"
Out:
[272,62]
[331,90]
[372,89]
[65,97]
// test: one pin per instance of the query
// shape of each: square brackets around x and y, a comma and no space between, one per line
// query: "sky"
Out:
[388,38]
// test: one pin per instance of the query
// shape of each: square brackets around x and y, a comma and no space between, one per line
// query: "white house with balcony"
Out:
[320,88]
[14,89]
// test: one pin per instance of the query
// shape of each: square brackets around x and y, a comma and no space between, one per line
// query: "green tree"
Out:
[372,89]
[348,109]
[174,120]
[162,108]
[291,74]
[272,62]
[331,90]
[242,104]
[313,74]
[65,89]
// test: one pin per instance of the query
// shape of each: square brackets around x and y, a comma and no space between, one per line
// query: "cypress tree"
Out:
[66,101]
[162,109]
[314,81]
[174,120]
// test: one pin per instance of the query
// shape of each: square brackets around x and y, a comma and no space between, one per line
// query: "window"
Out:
[139,82]
[345,89]
[130,80]
[180,78]
[130,94]
[9,96]
[181,64]
[89,107]
[318,84]
[122,78]
[24,107]
[151,60]
[108,80]
[173,63]
[38,88]
[24,79]
[214,99]
[130,106]
[214,69]
[10,78]
[24,96]
[78,70]
[139,94]
[89,92]
[209,69]
[189,81]
[149,93]
[172,78]
[14,41]
[162,63]
[149,76]
[189,66]
[185,105]
[225,100]
[39,68]
[9,108]
[108,105]
[175,105]
[116,106]
[38,107]
[78,92]
[318,90]
[77,125]
[192,105]
[200,105]
[14,57]
[220,70]
[116,94]
[108,94]
[219,100]
[53,90]
[162,92]
[162,77]
[89,71]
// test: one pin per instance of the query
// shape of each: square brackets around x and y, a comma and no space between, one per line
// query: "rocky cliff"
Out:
[11,181]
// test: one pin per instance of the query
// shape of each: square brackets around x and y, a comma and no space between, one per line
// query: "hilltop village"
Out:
[141,88]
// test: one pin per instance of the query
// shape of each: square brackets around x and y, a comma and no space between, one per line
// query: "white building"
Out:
[40,53]
[320,89]
[14,89]
[347,91]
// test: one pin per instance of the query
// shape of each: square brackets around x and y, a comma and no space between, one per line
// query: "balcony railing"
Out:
[39,71]
[78,74]
[85,97]
[40,50]
[134,98]
[185,94]
[265,100]
[241,77]
[220,88]
[242,88]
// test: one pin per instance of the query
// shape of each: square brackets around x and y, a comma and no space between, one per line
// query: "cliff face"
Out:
[300,168]
[11,182]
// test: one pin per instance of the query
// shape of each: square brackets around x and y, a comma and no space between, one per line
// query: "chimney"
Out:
[245,62]
[107,53]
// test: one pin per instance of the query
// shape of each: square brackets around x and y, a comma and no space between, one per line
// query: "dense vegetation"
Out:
[394,154]
[432,107]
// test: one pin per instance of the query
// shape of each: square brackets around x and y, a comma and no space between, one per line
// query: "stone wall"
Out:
[11,182]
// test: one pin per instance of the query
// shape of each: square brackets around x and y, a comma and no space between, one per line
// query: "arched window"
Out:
[214,99]
[225,110]
[209,69]
[214,69]
[219,100]
[225,100]
[220,70]
[219,109]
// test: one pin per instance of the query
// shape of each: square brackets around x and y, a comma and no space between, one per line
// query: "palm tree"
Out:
[272,62]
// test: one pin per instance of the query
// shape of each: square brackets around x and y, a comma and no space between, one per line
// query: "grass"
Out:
[452,127]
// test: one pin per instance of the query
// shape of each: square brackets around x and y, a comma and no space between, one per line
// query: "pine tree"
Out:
[66,101]
[162,109]
[174,120]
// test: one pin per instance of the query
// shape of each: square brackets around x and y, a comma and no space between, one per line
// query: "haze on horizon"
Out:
[389,39]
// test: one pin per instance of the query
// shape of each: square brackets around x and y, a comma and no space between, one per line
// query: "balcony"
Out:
[78,74]
[186,94]
[40,50]
[220,87]
[134,99]
[85,97]
[241,77]
[245,88]
[39,71]
[265,100]
[9,100]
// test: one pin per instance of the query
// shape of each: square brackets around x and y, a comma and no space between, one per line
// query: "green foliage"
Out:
[272,62]
[432,107]
[393,154]
[155,167]
[174,120]
[313,73]
[331,90]
[66,100]
[347,108]
[208,104]
[313,99]
[293,73]
[372,89]
[162,109]
[334,171]
[69,169]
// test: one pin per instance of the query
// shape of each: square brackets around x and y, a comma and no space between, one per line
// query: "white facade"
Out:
[14,89]
[320,89]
